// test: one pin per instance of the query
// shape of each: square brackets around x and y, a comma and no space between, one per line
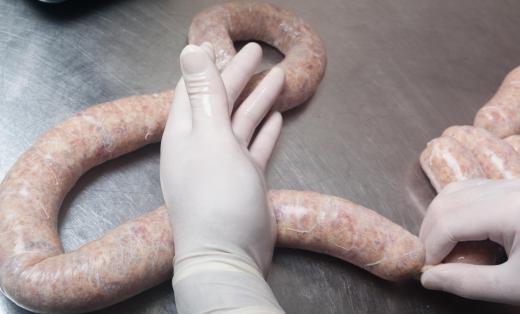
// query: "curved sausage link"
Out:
[446,160]
[501,114]
[305,57]
[37,274]
[351,232]
[34,271]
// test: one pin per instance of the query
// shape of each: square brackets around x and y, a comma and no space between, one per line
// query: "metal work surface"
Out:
[399,73]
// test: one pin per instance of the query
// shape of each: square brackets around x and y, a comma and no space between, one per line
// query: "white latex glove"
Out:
[213,183]
[474,210]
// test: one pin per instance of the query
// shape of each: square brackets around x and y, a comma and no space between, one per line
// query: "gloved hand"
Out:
[474,210]
[212,177]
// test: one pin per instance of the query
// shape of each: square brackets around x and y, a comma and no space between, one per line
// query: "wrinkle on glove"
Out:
[241,286]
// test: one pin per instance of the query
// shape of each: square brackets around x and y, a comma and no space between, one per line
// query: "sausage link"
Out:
[501,114]
[305,58]
[36,273]
[444,161]
[351,232]
[34,270]
[496,157]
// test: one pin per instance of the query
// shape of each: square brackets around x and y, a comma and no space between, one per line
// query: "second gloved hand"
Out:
[470,211]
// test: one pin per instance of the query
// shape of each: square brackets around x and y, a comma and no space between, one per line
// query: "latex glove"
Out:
[212,177]
[474,210]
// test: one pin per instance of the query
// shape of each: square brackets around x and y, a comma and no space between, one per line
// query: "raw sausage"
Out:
[496,157]
[36,273]
[445,160]
[501,114]
[351,232]
[305,60]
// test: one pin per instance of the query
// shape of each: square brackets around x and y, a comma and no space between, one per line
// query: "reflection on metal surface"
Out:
[52,1]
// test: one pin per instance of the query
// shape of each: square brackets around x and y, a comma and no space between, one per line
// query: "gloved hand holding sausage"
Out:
[212,177]
[473,210]
[476,171]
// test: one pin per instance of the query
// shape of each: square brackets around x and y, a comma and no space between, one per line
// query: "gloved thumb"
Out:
[482,282]
[206,91]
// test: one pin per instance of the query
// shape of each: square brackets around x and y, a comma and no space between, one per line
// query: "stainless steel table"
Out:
[399,72]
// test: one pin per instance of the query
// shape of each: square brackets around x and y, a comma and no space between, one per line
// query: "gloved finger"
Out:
[485,194]
[441,207]
[452,198]
[468,223]
[239,70]
[252,111]
[208,48]
[477,212]
[266,139]
[483,282]
[205,89]
[179,117]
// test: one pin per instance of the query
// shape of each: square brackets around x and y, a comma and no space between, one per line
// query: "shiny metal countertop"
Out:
[399,72]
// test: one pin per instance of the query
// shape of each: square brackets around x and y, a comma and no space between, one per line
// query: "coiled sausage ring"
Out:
[37,274]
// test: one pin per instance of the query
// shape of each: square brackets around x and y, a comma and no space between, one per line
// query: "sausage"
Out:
[514,141]
[501,114]
[351,232]
[34,271]
[496,157]
[305,57]
[37,275]
[445,160]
